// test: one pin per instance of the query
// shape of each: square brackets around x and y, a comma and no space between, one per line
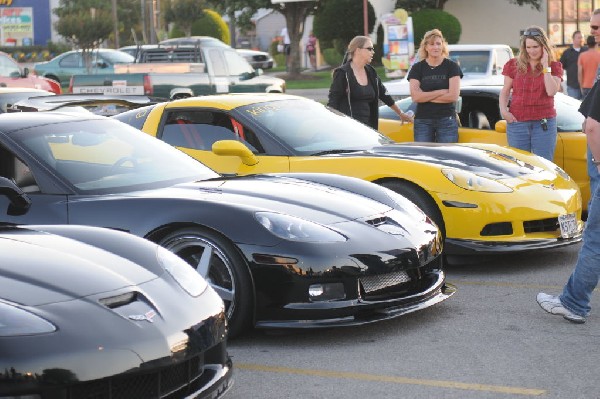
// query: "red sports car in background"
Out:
[11,75]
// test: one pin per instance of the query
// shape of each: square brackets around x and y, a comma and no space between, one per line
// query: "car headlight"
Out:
[296,229]
[472,182]
[15,321]
[184,274]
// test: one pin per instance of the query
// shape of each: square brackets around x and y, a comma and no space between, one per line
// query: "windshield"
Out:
[107,156]
[471,61]
[307,127]
[118,57]
[568,117]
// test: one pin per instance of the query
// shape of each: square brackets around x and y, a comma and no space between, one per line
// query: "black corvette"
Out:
[87,312]
[285,251]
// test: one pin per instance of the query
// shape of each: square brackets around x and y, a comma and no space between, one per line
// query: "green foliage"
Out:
[426,20]
[85,23]
[338,21]
[332,57]
[211,24]
[184,13]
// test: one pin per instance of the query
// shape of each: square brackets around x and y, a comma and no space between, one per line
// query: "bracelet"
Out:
[595,162]
[547,70]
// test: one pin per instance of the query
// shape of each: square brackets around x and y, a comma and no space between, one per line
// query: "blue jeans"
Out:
[436,130]
[578,290]
[575,93]
[593,174]
[530,136]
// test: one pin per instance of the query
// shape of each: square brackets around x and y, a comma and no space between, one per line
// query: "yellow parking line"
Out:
[392,379]
[458,283]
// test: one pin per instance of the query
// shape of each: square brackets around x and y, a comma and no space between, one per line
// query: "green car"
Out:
[65,65]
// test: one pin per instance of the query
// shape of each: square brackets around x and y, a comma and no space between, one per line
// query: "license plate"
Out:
[568,225]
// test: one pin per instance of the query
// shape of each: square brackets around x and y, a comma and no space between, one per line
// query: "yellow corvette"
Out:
[481,123]
[485,198]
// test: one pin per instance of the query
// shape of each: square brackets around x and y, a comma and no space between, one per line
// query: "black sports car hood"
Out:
[487,163]
[317,202]
[33,266]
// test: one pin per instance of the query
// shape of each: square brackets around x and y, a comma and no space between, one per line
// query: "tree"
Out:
[84,23]
[245,9]
[184,13]
[417,5]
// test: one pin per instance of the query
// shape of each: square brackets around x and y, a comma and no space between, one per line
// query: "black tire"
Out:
[222,266]
[420,198]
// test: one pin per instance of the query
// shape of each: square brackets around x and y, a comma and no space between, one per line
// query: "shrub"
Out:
[332,57]
[211,24]
[339,21]
[428,19]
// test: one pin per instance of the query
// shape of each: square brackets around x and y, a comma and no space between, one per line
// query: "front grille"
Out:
[176,381]
[259,57]
[382,281]
[538,226]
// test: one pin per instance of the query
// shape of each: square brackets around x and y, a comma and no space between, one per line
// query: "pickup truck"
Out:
[173,72]
[481,64]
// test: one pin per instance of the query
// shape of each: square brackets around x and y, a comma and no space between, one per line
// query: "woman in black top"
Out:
[356,89]
[435,87]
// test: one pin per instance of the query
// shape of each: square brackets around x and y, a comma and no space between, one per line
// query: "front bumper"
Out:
[360,311]
[455,246]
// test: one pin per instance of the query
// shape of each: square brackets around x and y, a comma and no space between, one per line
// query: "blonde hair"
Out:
[542,40]
[356,43]
[428,38]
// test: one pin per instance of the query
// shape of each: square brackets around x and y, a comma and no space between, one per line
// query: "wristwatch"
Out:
[595,162]
[547,70]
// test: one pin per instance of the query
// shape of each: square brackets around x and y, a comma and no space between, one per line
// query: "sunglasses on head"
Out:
[532,33]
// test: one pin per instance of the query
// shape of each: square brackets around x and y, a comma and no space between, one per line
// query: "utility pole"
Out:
[115,22]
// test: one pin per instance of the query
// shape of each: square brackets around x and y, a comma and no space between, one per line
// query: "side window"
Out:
[217,62]
[13,168]
[71,61]
[502,57]
[236,63]
[8,67]
[200,129]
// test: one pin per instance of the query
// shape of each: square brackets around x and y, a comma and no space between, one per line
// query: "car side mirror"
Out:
[19,201]
[500,126]
[236,149]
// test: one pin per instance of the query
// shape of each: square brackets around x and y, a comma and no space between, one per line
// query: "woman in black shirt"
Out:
[435,87]
[356,89]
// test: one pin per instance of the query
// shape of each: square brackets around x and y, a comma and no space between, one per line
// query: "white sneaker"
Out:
[552,305]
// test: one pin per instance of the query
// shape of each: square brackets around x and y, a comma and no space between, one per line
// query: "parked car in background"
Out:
[282,251]
[181,70]
[258,59]
[99,104]
[12,75]
[480,122]
[65,65]
[12,95]
[481,64]
[513,201]
[91,312]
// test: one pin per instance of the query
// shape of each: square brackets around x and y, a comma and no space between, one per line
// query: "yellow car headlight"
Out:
[472,182]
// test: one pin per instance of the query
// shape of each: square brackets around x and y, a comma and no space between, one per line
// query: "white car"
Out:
[481,64]
[258,59]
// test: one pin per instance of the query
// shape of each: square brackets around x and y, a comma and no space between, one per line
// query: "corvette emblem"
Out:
[148,316]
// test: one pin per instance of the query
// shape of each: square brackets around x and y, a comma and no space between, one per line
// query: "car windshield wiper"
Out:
[333,152]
